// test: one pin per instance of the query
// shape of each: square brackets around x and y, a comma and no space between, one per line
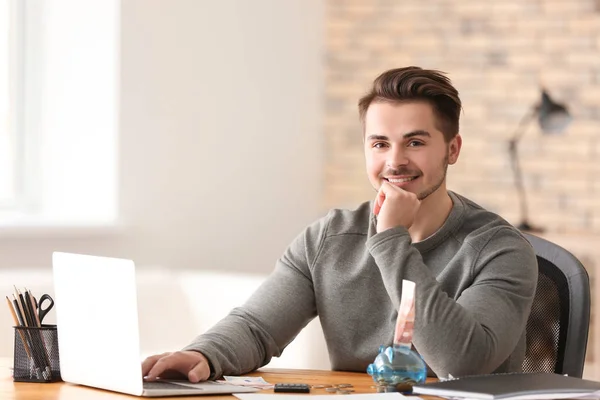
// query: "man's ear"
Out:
[454,149]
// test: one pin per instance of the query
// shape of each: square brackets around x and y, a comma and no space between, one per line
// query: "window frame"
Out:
[24,89]
[14,62]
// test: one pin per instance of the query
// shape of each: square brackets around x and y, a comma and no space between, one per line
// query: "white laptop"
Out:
[98,333]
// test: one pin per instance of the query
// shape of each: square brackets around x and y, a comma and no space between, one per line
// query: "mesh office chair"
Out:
[557,329]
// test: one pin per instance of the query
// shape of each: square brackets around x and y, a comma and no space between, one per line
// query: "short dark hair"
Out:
[411,84]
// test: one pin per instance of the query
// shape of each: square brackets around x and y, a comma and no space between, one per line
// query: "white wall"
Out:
[220,137]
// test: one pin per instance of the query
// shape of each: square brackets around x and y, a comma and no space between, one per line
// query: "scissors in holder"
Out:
[43,311]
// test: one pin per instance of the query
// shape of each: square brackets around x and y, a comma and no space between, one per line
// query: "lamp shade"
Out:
[552,117]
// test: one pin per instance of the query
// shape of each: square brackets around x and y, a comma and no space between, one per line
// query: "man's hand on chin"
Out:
[395,207]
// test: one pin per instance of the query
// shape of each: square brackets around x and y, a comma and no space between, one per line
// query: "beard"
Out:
[433,188]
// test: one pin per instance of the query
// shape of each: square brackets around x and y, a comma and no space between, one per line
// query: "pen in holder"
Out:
[36,344]
[36,354]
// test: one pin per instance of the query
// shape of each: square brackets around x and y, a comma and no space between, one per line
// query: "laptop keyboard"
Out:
[166,385]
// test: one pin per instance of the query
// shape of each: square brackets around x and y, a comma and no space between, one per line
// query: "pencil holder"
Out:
[36,354]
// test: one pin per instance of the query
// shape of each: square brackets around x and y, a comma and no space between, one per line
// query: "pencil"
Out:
[21,334]
[18,311]
[35,352]
[15,319]
[29,297]
[21,303]
[32,305]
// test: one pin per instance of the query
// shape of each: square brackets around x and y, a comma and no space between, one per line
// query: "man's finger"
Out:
[378,202]
[162,365]
[388,188]
[376,208]
[149,362]
[200,372]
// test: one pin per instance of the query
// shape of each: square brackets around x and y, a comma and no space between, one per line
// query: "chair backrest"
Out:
[557,329]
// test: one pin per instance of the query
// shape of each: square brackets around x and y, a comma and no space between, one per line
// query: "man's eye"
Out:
[415,143]
[379,145]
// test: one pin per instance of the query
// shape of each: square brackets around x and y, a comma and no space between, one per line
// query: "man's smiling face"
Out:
[404,147]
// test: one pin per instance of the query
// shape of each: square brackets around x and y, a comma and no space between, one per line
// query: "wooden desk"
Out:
[10,390]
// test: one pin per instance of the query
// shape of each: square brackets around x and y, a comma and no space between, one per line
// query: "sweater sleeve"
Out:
[477,332]
[250,335]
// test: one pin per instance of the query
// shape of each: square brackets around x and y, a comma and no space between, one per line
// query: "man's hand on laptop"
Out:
[190,364]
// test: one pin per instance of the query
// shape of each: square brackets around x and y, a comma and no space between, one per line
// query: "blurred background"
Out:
[199,137]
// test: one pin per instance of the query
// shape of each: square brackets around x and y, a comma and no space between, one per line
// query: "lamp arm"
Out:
[523,124]
[516,166]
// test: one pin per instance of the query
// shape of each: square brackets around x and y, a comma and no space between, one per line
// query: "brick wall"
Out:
[496,53]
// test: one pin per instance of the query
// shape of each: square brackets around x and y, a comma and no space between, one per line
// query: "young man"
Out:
[475,274]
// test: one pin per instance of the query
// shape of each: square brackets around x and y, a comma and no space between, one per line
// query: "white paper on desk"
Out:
[361,396]
[252,381]
[545,396]
[579,396]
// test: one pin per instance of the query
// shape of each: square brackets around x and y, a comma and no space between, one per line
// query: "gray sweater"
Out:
[475,281]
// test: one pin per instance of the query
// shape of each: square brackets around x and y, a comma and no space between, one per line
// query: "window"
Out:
[8,110]
[58,112]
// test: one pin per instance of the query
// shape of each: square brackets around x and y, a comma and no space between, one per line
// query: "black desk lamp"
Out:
[553,118]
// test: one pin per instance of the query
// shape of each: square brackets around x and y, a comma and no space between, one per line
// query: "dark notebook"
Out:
[510,386]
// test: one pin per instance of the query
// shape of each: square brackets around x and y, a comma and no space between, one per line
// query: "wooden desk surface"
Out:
[9,390]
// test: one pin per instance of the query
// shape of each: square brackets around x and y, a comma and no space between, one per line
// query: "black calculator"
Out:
[292,388]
